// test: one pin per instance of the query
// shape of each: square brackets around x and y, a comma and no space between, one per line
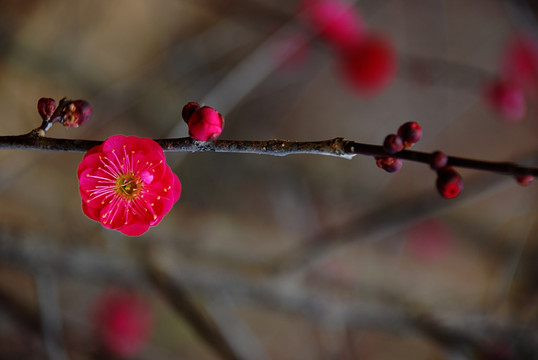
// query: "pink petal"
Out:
[132,143]
[90,161]
[176,187]
[134,229]
[205,124]
[146,177]
[92,213]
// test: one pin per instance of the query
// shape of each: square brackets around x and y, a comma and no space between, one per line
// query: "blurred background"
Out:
[299,257]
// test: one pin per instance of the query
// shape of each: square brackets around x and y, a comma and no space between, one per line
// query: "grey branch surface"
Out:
[338,147]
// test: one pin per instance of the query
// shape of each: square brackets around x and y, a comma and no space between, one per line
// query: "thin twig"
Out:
[394,316]
[47,296]
[20,312]
[224,312]
[378,224]
[178,297]
[338,147]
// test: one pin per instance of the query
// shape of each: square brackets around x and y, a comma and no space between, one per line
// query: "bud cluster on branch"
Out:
[126,185]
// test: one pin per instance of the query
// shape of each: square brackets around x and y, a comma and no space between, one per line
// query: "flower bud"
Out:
[389,164]
[393,144]
[410,132]
[438,160]
[75,113]
[205,124]
[524,180]
[449,182]
[188,110]
[46,107]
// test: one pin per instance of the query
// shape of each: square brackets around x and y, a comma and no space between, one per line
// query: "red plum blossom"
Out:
[126,185]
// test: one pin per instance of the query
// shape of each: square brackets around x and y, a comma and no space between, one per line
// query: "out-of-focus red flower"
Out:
[126,185]
[524,180]
[507,99]
[367,61]
[123,322]
[369,66]
[336,21]
[429,240]
[520,62]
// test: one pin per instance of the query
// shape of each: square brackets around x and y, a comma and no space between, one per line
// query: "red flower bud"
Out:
[438,160]
[75,113]
[205,124]
[393,144]
[389,164]
[410,132]
[46,107]
[123,322]
[524,180]
[449,182]
[188,110]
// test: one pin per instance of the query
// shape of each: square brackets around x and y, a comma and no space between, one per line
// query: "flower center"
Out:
[128,186]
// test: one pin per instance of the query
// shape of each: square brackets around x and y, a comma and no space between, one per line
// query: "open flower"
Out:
[126,185]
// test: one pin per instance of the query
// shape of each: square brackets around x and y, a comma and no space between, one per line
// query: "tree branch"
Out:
[203,325]
[338,147]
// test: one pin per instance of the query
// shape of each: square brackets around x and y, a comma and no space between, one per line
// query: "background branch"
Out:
[176,294]
[347,230]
